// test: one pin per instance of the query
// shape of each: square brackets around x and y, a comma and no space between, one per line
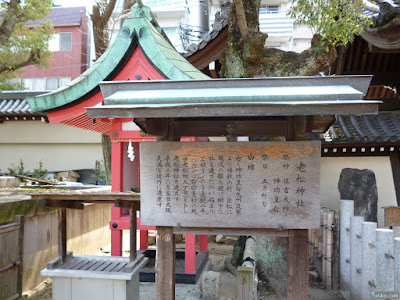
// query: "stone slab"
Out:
[236,185]
[9,182]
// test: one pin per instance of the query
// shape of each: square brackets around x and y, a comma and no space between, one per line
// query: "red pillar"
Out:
[190,253]
[144,234]
[116,186]
[203,243]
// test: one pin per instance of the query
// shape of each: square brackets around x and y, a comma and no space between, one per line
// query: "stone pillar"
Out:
[368,258]
[355,257]
[397,264]
[346,212]
[384,260]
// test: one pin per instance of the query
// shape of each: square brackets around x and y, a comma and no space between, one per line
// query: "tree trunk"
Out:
[106,146]
[246,56]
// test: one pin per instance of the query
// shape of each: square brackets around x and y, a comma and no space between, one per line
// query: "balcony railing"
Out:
[278,25]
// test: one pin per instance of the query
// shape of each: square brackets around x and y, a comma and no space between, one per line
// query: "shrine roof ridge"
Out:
[358,82]
[135,31]
[288,96]
[231,95]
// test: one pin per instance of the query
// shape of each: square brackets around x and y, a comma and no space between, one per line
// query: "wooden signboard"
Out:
[392,215]
[226,184]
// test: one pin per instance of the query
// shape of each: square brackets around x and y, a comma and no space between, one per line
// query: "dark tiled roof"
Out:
[8,107]
[67,15]
[63,16]
[384,127]
[15,104]
[221,21]
[382,11]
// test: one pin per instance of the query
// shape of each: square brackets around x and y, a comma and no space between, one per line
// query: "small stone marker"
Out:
[211,285]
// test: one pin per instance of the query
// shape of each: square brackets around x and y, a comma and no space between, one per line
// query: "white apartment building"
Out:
[197,15]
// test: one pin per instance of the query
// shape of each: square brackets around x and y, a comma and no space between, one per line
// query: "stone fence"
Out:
[369,258]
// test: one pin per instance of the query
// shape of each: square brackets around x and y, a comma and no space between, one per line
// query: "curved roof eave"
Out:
[134,31]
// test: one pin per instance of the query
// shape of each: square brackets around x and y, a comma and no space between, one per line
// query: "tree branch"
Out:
[128,4]
[9,21]
[10,68]
[108,11]
[241,19]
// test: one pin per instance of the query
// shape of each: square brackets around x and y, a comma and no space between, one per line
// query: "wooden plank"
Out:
[129,267]
[70,264]
[96,265]
[80,265]
[62,234]
[120,266]
[237,185]
[62,203]
[40,181]
[298,265]
[9,266]
[165,263]
[395,164]
[88,197]
[341,59]
[111,267]
[16,296]
[132,228]
[55,263]
[256,127]
[297,258]
[165,253]
[104,265]
[9,228]
[88,265]
[392,216]
[127,204]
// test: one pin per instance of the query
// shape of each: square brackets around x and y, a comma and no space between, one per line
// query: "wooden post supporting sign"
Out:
[165,254]
[298,238]
[165,263]
[62,234]
[298,264]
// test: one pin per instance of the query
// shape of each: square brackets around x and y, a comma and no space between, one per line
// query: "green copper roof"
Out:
[196,96]
[136,29]
[257,97]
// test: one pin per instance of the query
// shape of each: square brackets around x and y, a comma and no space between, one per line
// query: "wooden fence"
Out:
[11,257]
[324,248]
[369,258]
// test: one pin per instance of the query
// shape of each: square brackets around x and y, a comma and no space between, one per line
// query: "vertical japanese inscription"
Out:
[230,183]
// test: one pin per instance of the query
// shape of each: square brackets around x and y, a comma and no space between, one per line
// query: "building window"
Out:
[44,84]
[269,9]
[53,83]
[34,84]
[61,41]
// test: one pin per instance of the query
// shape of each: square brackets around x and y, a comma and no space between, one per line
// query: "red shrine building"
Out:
[140,52]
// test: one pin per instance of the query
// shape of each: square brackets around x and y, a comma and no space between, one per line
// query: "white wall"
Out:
[331,168]
[59,146]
